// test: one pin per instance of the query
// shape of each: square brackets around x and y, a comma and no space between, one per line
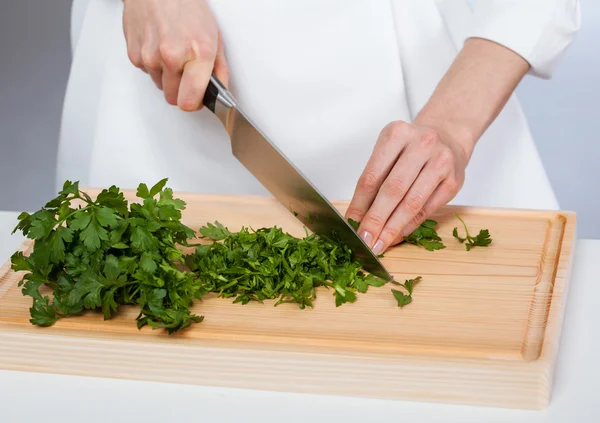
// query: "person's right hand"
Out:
[179,44]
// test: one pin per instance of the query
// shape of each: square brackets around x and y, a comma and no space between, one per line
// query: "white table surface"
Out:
[27,397]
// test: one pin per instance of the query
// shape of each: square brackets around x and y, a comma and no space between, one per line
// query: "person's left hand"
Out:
[412,172]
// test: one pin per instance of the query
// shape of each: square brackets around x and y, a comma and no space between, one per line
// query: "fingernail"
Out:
[366,237]
[378,247]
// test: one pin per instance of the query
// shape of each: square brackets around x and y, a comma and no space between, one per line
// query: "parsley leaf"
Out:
[409,284]
[483,239]
[401,298]
[42,313]
[353,223]
[157,188]
[215,231]
[426,236]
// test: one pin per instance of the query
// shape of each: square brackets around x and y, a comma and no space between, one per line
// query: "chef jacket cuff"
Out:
[537,30]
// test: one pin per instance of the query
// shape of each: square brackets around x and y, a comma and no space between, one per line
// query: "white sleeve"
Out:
[537,30]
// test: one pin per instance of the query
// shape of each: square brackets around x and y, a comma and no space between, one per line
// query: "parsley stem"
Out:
[464,225]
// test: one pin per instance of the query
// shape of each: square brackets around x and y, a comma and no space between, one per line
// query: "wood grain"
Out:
[483,328]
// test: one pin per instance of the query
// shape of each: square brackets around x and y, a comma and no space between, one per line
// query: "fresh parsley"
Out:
[99,254]
[426,236]
[353,223]
[402,298]
[483,239]
[268,263]
[105,253]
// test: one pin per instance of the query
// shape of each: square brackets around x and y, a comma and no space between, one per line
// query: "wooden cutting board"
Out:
[483,327]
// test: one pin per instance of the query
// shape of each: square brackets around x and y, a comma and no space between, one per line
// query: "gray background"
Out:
[35,56]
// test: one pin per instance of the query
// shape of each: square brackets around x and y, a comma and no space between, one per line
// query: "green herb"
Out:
[103,253]
[270,264]
[483,239]
[402,298]
[426,236]
[353,223]
[106,253]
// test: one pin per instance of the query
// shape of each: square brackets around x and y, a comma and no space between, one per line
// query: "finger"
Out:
[442,195]
[134,46]
[156,76]
[173,55]
[135,57]
[388,147]
[150,57]
[196,75]
[393,190]
[411,208]
[221,69]
[170,84]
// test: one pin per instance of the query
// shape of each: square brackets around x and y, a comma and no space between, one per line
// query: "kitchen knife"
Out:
[283,180]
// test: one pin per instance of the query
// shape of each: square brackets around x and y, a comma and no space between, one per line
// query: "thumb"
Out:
[221,68]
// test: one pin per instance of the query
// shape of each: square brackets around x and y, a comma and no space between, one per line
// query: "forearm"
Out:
[473,92]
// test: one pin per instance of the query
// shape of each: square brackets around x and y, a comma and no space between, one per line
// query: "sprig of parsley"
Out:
[426,236]
[483,239]
[402,298]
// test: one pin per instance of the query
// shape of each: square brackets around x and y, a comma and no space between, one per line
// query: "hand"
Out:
[179,44]
[412,172]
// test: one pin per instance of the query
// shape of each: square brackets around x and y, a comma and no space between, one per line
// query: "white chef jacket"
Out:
[321,78]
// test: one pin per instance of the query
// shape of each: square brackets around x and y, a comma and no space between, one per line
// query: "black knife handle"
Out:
[215,89]
[211,94]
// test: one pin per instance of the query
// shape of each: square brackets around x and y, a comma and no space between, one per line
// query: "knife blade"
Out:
[283,179]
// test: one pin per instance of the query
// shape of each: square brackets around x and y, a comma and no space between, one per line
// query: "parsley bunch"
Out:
[104,254]
[270,264]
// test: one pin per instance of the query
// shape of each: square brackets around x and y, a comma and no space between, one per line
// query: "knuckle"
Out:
[419,217]
[150,59]
[204,49]
[171,54]
[414,204]
[445,159]
[368,182]
[135,58]
[355,212]
[393,131]
[389,234]
[452,186]
[375,220]
[429,138]
[394,187]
